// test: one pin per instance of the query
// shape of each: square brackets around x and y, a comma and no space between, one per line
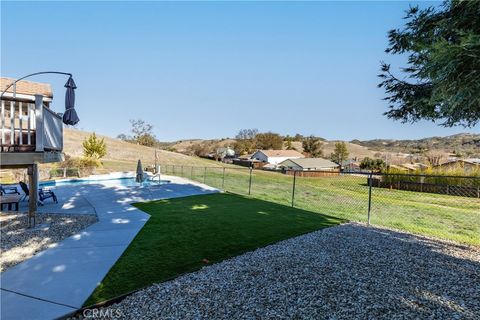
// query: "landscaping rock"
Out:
[346,272]
[19,243]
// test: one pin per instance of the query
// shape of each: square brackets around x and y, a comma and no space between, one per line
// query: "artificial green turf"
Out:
[346,196]
[182,232]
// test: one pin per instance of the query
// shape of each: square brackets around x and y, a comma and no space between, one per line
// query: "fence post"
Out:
[205,176]
[182,171]
[293,187]
[223,179]
[250,183]
[191,173]
[370,179]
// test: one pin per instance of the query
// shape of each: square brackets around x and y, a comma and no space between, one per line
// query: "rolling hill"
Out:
[463,144]
[123,155]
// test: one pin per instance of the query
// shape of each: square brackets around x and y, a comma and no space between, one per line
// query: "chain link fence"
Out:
[442,206]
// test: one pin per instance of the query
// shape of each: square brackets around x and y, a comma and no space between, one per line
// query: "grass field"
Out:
[444,216]
[182,232]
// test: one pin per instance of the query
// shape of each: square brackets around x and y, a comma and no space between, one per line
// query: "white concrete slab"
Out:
[15,306]
[64,276]
[97,238]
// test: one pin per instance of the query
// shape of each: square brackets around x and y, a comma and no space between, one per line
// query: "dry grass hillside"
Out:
[356,151]
[124,155]
[184,145]
[121,156]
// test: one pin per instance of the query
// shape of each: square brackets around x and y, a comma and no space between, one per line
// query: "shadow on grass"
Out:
[184,234]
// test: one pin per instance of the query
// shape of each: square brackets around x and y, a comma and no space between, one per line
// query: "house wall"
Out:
[260,156]
[289,165]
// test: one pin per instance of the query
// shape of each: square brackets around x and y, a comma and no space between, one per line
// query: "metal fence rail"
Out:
[444,206]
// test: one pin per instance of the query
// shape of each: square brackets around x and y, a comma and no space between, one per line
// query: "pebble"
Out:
[350,271]
[19,243]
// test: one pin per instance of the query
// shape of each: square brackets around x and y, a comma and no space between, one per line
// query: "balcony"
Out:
[30,132]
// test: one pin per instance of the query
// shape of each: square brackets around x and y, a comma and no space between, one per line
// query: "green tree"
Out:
[298,137]
[143,133]
[94,147]
[340,153]
[372,164]
[269,140]
[313,146]
[288,143]
[442,79]
[245,141]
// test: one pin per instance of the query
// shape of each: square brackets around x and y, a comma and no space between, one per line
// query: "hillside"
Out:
[356,151]
[121,154]
[124,155]
[464,144]
[184,145]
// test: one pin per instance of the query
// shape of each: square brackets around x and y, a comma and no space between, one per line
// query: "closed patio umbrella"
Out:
[70,116]
[139,177]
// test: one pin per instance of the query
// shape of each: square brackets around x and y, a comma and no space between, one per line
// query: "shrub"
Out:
[94,148]
[455,176]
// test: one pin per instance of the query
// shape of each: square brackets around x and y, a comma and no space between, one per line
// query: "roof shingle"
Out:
[307,163]
[27,87]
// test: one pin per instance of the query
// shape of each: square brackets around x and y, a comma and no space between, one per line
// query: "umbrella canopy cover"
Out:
[70,116]
[139,177]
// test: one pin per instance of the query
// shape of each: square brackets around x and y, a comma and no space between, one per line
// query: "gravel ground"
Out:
[345,272]
[19,243]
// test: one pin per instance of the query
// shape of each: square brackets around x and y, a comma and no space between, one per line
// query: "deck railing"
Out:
[29,127]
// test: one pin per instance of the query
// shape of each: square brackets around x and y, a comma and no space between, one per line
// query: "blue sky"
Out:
[208,69]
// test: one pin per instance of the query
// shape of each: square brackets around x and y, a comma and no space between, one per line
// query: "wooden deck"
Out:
[29,133]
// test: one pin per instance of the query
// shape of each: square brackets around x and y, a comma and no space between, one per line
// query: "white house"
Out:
[276,156]
[309,164]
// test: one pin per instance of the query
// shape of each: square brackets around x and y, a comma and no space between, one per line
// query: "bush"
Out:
[76,167]
[372,164]
[89,163]
[454,176]
[94,148]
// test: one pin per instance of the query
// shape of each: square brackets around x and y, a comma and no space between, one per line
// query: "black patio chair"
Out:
[42,194]
[8,190]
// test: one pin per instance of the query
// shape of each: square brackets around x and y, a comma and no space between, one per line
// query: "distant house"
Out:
[222,153]
[226,152]
[309,164]
[468,165]
[276,156]
[351,165]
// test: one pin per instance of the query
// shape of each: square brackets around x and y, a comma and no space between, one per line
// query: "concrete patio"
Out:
[59,280]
